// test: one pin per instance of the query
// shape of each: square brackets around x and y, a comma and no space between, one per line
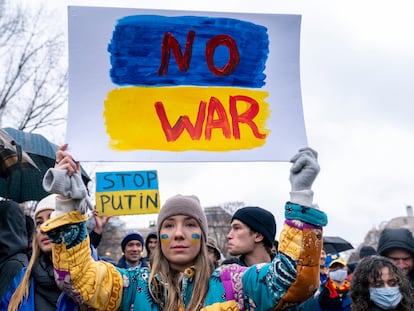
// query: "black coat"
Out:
[46,290]
[13,243]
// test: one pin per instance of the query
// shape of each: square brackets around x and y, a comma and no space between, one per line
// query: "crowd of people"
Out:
[179,266]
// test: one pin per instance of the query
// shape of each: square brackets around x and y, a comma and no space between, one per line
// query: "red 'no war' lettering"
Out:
[172,133]
[169,43]
[233,61]
[183,61]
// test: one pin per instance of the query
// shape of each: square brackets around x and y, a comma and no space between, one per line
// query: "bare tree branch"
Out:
[33,88]
[10,25]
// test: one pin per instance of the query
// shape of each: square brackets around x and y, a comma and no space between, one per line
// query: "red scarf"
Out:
[335,289]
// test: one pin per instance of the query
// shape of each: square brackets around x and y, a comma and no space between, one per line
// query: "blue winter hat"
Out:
[131,236]
[259,220]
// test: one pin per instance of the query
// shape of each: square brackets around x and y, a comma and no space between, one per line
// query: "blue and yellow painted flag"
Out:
[187,83]
[127,193]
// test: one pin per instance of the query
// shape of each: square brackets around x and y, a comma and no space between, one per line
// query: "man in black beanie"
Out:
[251,236]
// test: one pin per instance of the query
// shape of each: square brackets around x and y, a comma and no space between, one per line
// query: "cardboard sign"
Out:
[127,193]
[183,86]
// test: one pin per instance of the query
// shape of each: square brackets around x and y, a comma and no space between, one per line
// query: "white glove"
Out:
[304,169]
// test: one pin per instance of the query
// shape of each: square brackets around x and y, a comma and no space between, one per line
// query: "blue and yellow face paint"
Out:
[195,238]
[165,238]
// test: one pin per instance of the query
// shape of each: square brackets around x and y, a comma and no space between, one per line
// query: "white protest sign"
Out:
[152,85]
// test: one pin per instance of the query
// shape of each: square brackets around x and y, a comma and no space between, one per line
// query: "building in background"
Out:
[372,236]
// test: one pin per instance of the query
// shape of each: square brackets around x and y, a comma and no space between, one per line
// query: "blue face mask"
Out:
[386,297]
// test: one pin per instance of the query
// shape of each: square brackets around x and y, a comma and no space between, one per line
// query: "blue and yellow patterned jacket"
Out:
[291,277]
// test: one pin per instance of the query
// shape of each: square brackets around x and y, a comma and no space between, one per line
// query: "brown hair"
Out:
[366,273]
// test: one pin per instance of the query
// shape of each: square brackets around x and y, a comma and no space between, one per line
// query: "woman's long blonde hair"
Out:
[22,291]
[167,295]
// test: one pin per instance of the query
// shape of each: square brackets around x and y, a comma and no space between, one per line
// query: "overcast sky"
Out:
[357,71]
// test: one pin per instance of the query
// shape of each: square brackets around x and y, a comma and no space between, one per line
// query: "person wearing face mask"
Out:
[397,244]
[378,284]
[334,293]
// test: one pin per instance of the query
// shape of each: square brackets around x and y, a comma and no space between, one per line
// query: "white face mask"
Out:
[338,275]
[386,297]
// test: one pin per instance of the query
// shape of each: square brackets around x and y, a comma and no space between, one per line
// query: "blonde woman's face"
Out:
[42,239]
[180,241]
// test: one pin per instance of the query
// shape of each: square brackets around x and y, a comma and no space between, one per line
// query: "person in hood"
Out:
[378,284]
[34,287]
[13,242]
[150,244]
[397,244]
[214,253]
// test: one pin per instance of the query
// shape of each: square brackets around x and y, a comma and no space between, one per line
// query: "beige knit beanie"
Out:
[188,205]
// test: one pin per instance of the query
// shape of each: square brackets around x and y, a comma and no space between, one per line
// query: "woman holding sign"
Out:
[181,276]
